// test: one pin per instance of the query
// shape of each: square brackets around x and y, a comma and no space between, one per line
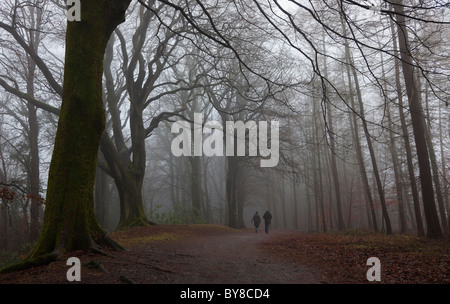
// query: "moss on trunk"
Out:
[132,213]
[69,220]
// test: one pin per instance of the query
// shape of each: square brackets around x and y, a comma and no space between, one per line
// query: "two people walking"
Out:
[256,220]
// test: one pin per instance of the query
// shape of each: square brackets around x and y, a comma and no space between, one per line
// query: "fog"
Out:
[335,145]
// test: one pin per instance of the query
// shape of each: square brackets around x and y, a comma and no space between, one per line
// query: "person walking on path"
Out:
[256,220]
[267,219]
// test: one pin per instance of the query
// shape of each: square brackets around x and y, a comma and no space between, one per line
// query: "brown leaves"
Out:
[7,196]
[343,257]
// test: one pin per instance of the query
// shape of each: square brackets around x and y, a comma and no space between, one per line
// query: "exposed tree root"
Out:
[46,259]
[113,244]
[95,265]
[141,222]
[28,263]
[126,279]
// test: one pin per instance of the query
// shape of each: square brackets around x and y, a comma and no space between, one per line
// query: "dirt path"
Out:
[234,258]
[192,255]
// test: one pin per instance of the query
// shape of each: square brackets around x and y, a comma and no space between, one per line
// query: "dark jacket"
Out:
[256,220]
[267,216]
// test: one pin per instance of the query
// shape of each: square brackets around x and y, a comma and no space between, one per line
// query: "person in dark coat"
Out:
[256,220]
[267,219]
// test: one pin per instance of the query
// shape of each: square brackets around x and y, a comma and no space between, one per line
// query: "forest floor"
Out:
[207,254]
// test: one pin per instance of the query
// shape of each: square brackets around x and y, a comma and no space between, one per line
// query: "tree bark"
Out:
[379,185]
[418,124]
[295,200]
[196,188]
[3,207]
[319,190]
[443,168]
[407,145]
[100,197]
[231,173]
[69,220]
[355,132]
[241,197]
[334,169]
[395,164]
[128,172]
[434,165]
[33,136]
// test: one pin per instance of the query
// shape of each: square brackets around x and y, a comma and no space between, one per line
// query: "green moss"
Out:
[130,242]
[69,221]
[31,262]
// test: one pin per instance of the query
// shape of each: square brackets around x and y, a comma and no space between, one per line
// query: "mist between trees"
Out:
[359,90]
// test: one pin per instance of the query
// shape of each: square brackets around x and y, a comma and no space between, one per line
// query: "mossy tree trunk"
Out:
[69,220]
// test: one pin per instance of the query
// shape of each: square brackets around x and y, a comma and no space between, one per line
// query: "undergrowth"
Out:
[8,258]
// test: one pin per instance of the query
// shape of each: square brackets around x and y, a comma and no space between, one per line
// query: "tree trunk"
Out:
[295,200]
[320,189]
[356,138]
[434,165]
[3,206]
[69,220]
[33,174]
[241,197]
[33,128]
[433,226]
[443,168]
[231,173]
[334,170]
[34,180]
[308,209]
[395,163]
[100,197]
[207,213]
[409,156]
[132,212]
[125,165]
[379,185]
[317,169]
[397,175]
[196,188]
[3,226]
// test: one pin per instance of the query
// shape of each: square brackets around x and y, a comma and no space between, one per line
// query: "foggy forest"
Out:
[332,114]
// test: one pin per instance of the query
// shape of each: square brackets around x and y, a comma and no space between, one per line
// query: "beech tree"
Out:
[69,220]
[126,163]
[247,32]
[418,124]
[27,29]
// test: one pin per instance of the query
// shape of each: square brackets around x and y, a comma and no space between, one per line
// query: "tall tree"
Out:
[433,160]
[69,220]
[26,27]
[395,163]
[34,181]
[361,114]
[334,169]
[4,202]
[405,133]
[418,123]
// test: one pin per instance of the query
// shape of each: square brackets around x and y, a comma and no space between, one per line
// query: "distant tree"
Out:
[418,123]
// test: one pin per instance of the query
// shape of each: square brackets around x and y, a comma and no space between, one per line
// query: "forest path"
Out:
[182,254]
[232,258]
[211,254]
